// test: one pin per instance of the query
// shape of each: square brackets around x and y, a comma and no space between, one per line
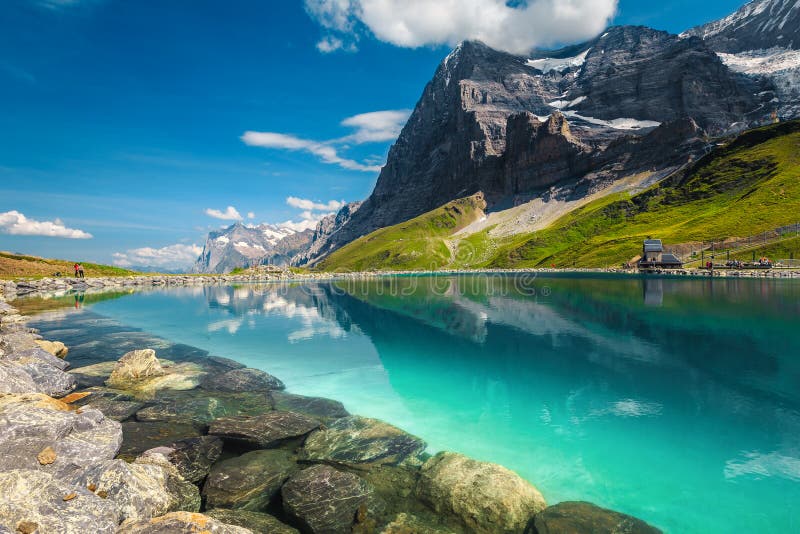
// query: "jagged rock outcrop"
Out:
[241,246]
[321,242]
[475,126]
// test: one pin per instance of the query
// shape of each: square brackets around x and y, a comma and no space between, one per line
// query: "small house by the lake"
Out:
[653,256]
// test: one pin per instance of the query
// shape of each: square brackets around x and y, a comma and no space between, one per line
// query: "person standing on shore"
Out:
[76,270]
[80,271]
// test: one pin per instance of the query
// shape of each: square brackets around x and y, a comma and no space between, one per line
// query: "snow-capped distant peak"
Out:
[548,64]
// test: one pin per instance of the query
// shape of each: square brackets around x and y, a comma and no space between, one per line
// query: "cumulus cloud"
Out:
[230,214]
[304,204]
[516,27]
[374,127]
[251,215]
[15,223]
[173,257]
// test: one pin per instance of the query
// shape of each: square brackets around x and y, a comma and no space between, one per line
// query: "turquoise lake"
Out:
[675,400]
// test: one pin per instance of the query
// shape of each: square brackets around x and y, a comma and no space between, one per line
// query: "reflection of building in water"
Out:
[653,292]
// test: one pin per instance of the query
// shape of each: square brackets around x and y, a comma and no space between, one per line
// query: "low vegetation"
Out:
[19,266]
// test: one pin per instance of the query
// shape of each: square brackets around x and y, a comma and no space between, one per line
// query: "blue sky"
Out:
[128,120]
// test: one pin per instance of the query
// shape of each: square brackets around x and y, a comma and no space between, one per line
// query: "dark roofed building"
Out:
[653,256]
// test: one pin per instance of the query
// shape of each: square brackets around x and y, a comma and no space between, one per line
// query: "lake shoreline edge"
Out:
[397,488]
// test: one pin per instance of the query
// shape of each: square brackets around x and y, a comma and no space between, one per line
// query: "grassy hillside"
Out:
[418,244]
[746,186]
[16,266]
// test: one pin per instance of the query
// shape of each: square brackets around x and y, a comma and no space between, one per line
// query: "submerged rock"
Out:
[263,431]
[30,498]
[30,423]
[140,437]
[134,366]
[255,521]
[486,497]
[182,522]
[362,441]
[243,379]
[405,523]
[325,500]
[142,374]
[586,518]
[250,481]
[319,408]
[192,457]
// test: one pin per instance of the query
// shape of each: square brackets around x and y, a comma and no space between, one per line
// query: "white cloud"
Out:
[516,28]
[176,256]
[374,127]
[251,215]
[230,214]
[303,204]
[15,223]
[377,126]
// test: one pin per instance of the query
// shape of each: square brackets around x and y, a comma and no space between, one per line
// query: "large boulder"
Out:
[250,481]
[325,410]
[180,522]
[48,379]
[138,490]
[143,374]
[255,521]
[56,348]
[192,457]
[324,500]
[31,423]
[360,441]
[36,355]
[586,518]
[14,379]
[36,499]
[263,431]
[244,379]
[485,497]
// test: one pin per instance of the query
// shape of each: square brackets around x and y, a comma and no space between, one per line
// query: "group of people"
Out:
[79,271]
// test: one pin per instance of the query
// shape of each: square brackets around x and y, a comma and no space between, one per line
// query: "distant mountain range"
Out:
[542,134]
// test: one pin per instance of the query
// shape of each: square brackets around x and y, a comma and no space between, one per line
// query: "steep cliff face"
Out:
[320,240]
[478,124]
[758,25]
[245,246]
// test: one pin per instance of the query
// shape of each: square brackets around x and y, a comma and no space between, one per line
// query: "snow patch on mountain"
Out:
[549,64]
[616,124]
[762,61]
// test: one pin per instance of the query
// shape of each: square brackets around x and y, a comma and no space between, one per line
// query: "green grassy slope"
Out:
[418,244]
[16,265]
[747,186]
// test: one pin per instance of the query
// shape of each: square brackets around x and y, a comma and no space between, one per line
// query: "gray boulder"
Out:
[138,490]
[245,379]
[586,518]
[324,500]
[361,441]
[324,410]
[250,481]
[180,522]
[14,379]
[53,505]
[255,521]
[31,423]
[486,498]
[49,380]
[192,457]
[37,355]
[263,431]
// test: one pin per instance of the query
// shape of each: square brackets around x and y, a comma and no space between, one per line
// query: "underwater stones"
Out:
[34,497]
[192,457]
[142,374]
[134,366]
[183,522]
[139,437]
[30,423]
[325,500]
[263,431]
[583,517]
[244,379]
[137,491]
[361,441]
[254,521]
[485,497]
[94,375]
[250,481]
[56,348]
[317,407]
[405,523]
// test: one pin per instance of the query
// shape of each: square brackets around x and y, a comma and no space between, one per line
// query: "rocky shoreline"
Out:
[145,445]
[21,286]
